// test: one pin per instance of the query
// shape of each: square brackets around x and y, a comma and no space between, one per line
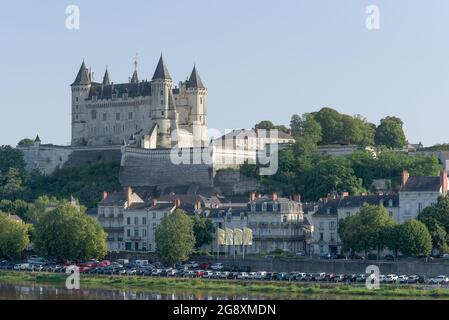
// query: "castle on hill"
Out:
[149,114]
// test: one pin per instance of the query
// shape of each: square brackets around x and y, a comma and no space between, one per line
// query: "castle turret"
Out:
[80,92]
[106,80]
[197,93]
[162,114]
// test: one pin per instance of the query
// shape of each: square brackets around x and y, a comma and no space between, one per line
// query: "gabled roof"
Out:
[329,209]
[161,70]
[422,184]
[83,76]
[358,201]
[119,199]
[195,80]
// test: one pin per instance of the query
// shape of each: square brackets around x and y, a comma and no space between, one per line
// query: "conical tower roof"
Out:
[195,80]
[161,70]
[83,77]
[106,80]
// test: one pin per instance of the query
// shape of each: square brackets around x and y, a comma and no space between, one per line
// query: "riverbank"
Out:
[150,284]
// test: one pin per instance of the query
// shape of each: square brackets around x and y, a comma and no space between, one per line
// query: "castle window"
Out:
[162,102]
[104,117]
[94,98]
[130,116]
[114,96]
[76,117]
[162,92]
[94,114]
[201,100]
[117,116]
[76,107]
[125,95]
[76,99]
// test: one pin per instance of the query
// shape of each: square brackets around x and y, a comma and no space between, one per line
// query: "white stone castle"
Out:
[148,114]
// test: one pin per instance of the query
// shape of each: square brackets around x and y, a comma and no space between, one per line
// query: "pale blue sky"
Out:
[259,59]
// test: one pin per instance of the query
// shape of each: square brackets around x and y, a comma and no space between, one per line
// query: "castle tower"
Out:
[197,93]
[80,92]
[162,114]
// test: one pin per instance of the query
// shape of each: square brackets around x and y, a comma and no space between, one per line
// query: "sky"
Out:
[260,60]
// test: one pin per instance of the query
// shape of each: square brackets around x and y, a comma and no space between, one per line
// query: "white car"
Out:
[224,275]
[208,274]
[382,278]
[261,275]
[439,280]
[242,276]
[391,278]
[217,266]
[191,264]
[402,279]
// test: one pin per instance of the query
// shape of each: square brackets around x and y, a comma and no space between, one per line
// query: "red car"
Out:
[199,273]
[204,265]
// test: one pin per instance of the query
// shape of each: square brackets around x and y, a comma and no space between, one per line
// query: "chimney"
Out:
[177,202]
[443,182]
[297,197]
[345,194]
[405,176]
[274,196]
[197,204]
[128,192]
[252,196]
[153,202]
[105,195]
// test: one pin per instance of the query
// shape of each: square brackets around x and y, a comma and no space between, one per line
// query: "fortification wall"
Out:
[144,167]
[47,158]
[233,182]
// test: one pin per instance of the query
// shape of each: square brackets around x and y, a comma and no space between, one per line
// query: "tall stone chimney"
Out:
[105,195]
[177,202]
[274,196]
[252,196]
[153,202]
[129,193]
[443,182]
[404,177]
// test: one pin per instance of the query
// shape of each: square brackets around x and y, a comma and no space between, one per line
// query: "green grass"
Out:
[151,284]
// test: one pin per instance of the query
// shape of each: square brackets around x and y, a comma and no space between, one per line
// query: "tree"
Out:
[330,122]
[203,229]
[11,183]
[436,219]
[13,236]
[390,133]
[25,142]
[414,238]
[366,230]
[11,158]
[174,237]
[68,233]
[392,238]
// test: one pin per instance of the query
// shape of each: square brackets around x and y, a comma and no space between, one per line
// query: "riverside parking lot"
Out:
[215,271]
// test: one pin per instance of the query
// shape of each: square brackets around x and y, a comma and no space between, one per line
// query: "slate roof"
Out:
[195,80]
[106,80]
[422,184]
[161,71]
[140,89]
[358,201]
[83,76]
[119,199]
[329,209]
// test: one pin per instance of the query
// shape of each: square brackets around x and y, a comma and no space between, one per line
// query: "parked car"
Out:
[439,280]
[329,277]
[261,275]
[339,278]
[215,275]
[156,272]
[217,266]
[413,279]
[326,256]
[445,256]
[242,276]
[300,253]
[355,256]
[402,279]
[233,275]
[391,278]
[389,257]
[308,277]
[204,265]
[361,277]
[252,275]
[192,265]
[198,273]
[207,274]
[318,276]
[381,278]
[224,275]
[190,274]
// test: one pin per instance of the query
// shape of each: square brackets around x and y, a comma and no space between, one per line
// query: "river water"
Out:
[50,292]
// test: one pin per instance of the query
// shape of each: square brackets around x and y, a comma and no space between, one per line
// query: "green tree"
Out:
[366,230]
[203,229]
[11,184]
[390,133]
[68,233]
[436,219]
[11,158]
[13,236]
[174,237]
[331,125]
[25,142]
[392,238]
[414,238]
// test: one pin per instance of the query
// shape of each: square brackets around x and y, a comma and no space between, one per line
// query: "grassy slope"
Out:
[149,284]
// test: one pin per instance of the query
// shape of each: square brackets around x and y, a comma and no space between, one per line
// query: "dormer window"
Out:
[125,96]
[114,96]
[94,98]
